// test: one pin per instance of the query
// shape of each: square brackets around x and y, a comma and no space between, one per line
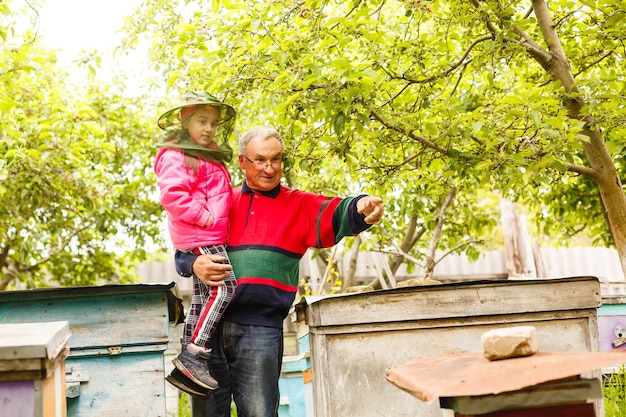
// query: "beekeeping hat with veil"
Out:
[174,121]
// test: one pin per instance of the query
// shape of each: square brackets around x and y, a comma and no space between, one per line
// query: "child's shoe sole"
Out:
[180,381]
[186,372]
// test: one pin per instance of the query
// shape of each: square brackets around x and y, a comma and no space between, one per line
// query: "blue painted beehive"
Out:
[292,387]
[119,336]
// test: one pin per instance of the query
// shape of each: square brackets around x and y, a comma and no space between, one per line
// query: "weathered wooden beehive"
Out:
[32,364]
[354,338]
[115,365]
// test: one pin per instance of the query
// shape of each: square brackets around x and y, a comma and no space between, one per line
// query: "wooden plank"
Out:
[40,294]
[98,320]
[455,300]
[471,374]
[128,385]
[543,395]
[583,319]
[25,369]
[32,351]
[32,340]
[566,410]
[355,358]
[53,394]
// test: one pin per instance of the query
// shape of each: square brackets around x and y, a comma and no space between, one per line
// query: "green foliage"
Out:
[77,202]
[184,405]
[405,99]
[614,390]
[402,99]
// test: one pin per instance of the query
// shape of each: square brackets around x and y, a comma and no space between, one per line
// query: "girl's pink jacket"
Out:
[190,199]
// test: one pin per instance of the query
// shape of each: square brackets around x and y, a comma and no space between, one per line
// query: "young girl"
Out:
[196,193]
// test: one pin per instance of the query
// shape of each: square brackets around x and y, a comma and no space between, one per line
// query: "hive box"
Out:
[354,338]
[32,364]
[115,365]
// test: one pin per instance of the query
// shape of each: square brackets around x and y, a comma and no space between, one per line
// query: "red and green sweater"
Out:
[269,234]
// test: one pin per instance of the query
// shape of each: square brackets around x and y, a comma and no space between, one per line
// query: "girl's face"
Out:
[202,125]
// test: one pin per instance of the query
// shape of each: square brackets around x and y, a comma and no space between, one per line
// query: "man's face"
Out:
[262,163]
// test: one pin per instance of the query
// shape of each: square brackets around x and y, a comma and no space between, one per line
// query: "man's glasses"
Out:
[262,163]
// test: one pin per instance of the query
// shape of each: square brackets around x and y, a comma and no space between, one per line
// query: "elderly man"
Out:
[271,227]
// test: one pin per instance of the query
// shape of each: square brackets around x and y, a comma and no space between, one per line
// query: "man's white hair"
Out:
[263,132]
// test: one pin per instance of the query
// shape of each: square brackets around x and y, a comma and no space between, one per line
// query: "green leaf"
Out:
[514,100]
[339,123]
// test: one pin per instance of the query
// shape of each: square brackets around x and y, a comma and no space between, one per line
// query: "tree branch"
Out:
[399,253]
[410,238]
[597,61]
[534,49]
[556,64]
[461,62]
[457,247]
[4,254]
[353,257]
[543,57]
[10,274]
[13,69]
[582,170]
[430,257]
[420,139]
[490,26]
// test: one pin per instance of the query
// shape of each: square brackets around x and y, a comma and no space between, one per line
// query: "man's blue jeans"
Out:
[246,361]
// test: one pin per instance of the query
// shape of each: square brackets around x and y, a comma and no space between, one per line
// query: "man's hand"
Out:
[211,270]
[371,208]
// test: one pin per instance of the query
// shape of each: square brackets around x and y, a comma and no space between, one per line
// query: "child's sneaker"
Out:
[180,381]
[195,368]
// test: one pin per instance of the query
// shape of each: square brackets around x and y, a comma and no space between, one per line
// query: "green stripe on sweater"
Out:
[260,263]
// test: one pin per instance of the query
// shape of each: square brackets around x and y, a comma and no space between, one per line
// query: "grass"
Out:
[614,388]
[184,406]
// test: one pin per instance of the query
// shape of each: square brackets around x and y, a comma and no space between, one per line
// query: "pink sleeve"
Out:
[176,183]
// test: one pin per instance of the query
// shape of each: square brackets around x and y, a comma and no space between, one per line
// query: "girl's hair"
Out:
[191,162]
[183,134]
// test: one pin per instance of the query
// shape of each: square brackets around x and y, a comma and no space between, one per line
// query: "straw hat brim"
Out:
[172,116]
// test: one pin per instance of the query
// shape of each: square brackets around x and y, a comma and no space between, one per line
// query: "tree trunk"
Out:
[520,261]
[353,257]
[10,273]
[412,235]
[601,166]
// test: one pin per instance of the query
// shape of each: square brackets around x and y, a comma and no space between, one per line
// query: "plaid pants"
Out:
[207,303]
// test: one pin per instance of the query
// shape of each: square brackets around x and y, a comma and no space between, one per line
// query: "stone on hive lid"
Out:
[511,342]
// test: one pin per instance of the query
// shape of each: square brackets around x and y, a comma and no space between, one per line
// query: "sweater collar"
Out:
[273,193]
